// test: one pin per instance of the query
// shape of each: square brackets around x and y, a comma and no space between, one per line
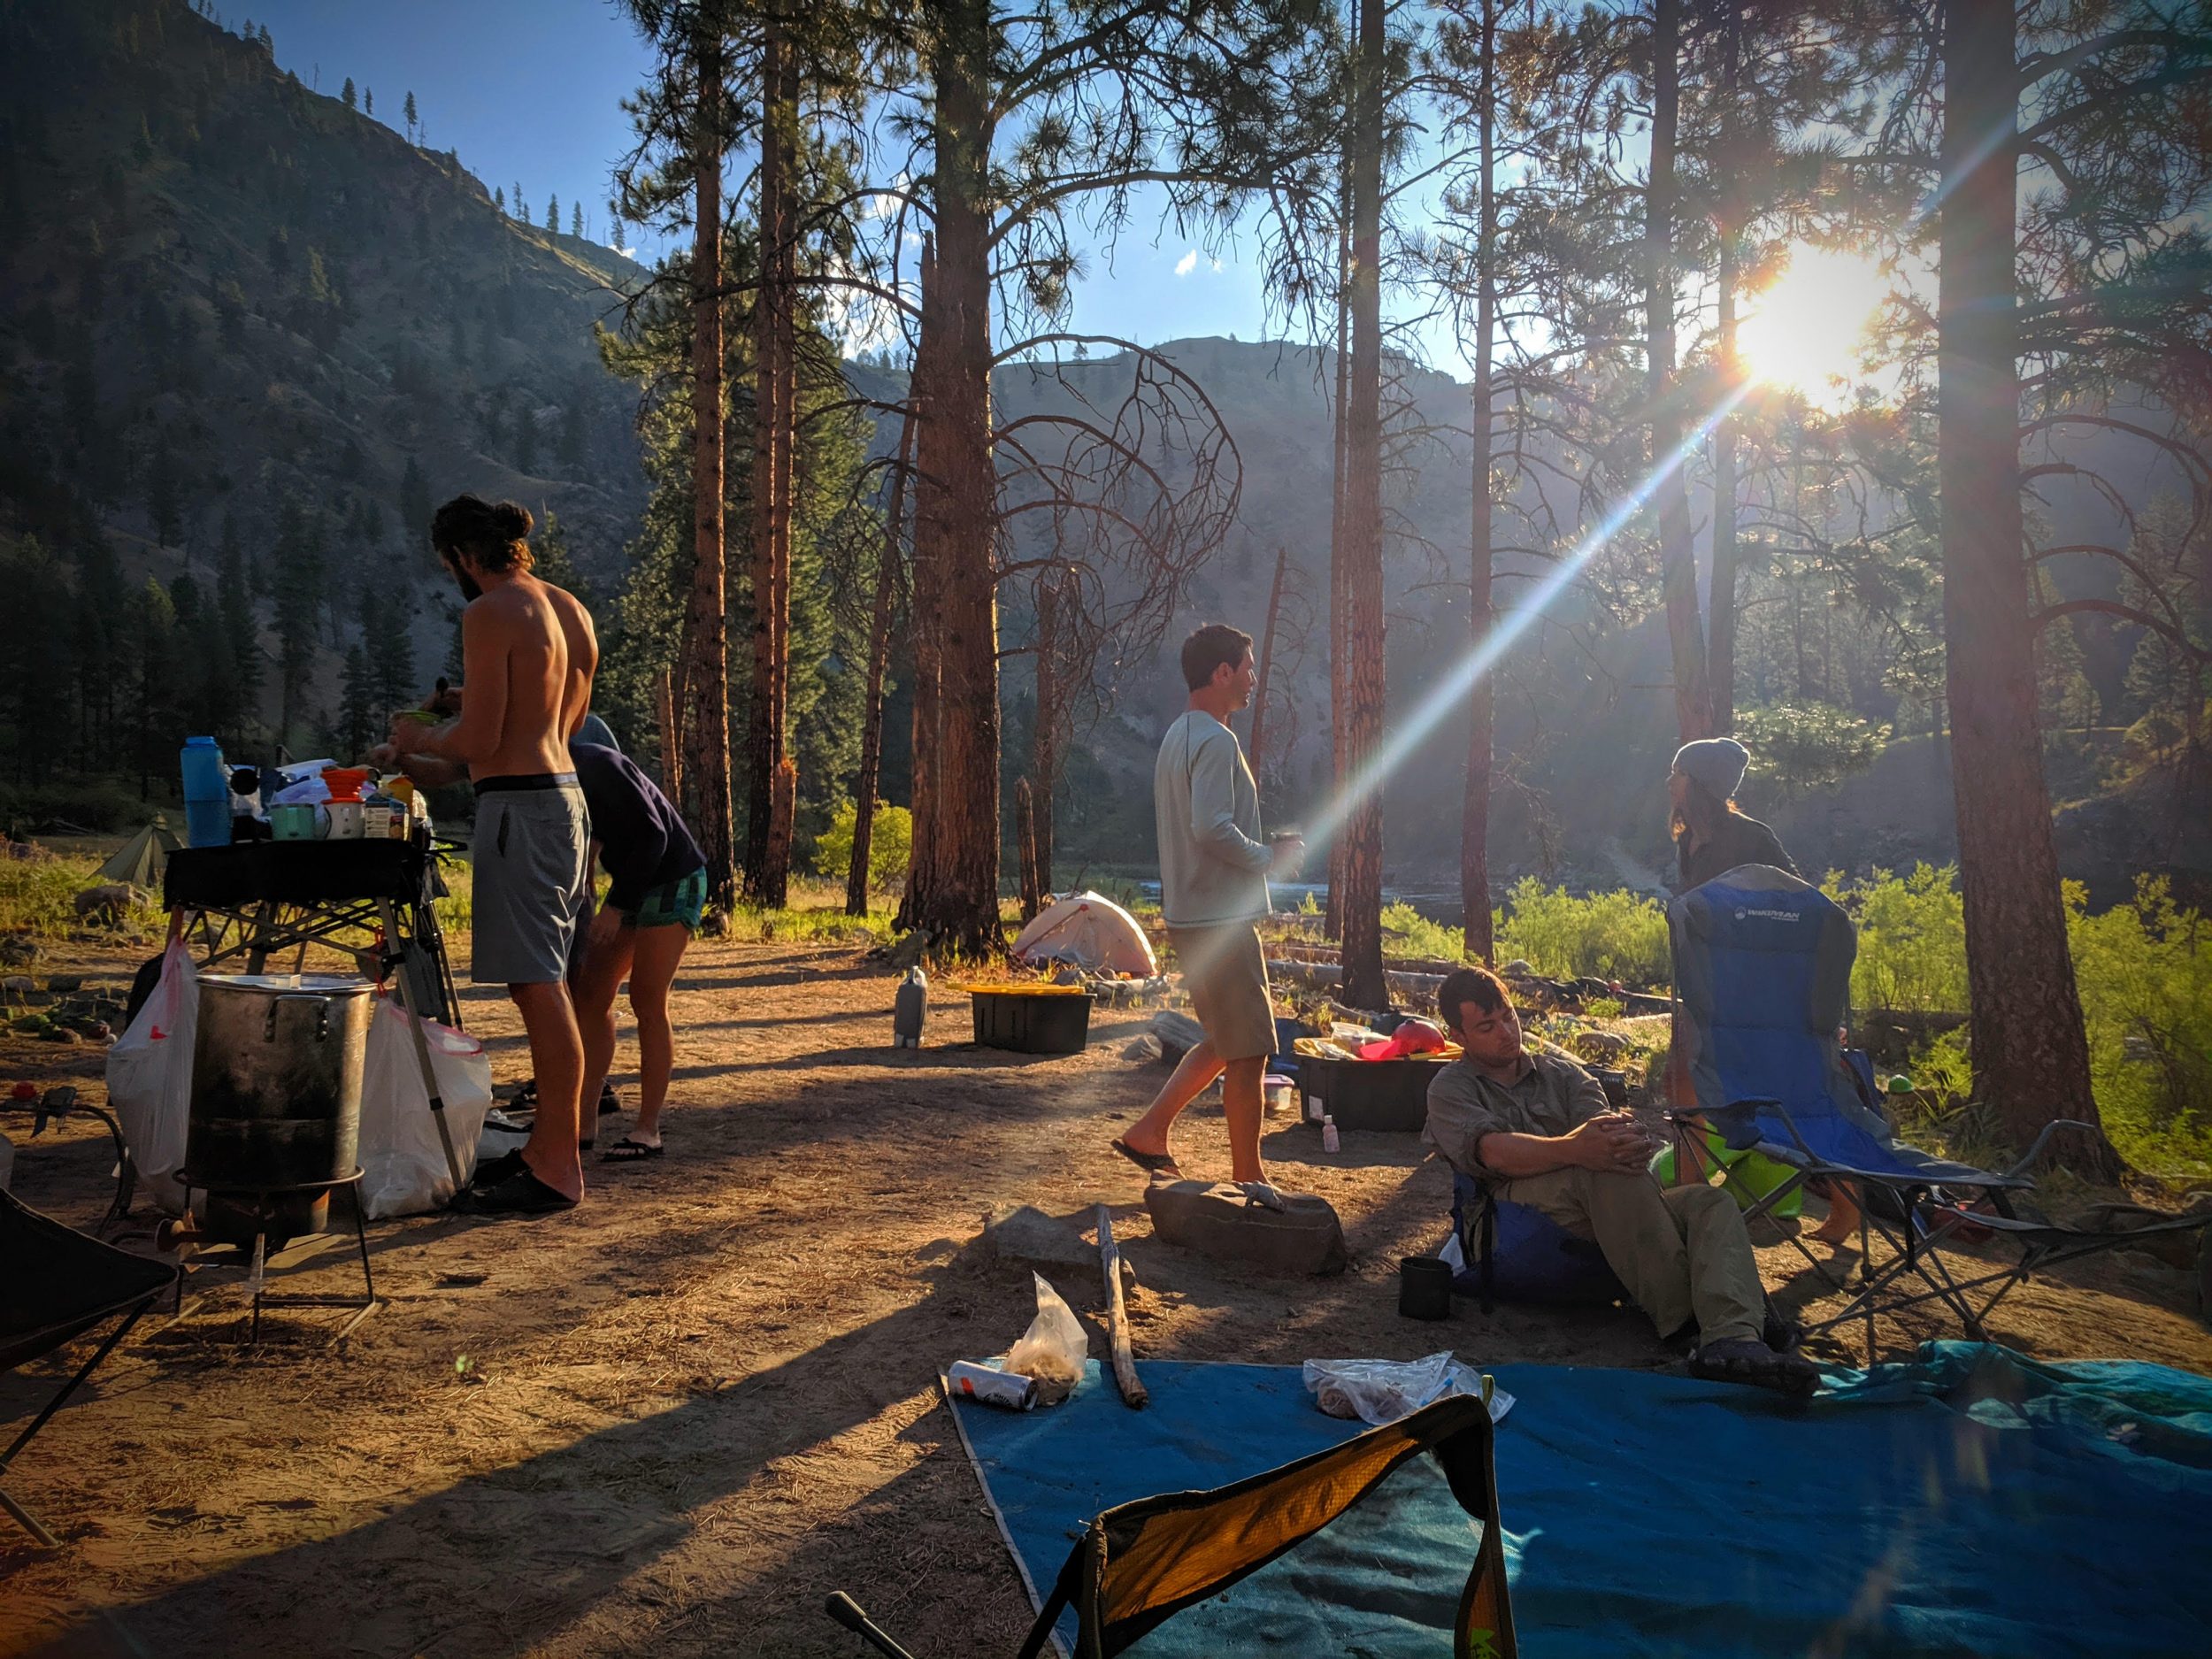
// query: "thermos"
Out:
[908,1009]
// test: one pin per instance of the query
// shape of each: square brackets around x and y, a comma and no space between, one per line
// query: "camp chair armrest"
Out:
[1737,1122]
[2042,1139]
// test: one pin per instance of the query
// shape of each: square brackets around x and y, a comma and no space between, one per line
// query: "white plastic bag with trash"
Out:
[1054,1349]
[149,1078]
[403,1169]
[1380,1391]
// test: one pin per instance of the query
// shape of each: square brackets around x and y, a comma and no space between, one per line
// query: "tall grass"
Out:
[38,896]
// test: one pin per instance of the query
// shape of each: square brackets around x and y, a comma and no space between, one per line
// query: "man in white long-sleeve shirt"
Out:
[1213,890]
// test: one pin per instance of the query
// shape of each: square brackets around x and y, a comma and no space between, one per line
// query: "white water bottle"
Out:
[1330,1140]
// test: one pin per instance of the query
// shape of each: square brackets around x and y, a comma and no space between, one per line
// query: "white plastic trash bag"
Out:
[403,1171]
[1054,1349]
[1380,1391]
[149,1078]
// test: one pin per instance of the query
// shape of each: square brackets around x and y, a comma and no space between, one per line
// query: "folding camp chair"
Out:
[1516,1254]
[1138,1565]
[59,1285]
[1763,967]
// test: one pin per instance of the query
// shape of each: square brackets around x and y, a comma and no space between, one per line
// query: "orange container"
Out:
[345,781]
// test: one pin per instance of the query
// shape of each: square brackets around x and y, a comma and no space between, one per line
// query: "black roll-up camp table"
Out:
[256,899]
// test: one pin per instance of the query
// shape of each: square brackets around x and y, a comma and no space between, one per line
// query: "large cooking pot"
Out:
[276,1101]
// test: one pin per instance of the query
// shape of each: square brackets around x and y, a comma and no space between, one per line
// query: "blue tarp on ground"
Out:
[1971,1501]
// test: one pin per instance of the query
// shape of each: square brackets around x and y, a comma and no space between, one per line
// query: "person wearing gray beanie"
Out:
[1713,835]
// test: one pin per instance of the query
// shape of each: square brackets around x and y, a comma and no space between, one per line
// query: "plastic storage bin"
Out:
[1390,1095]
[1031,1022]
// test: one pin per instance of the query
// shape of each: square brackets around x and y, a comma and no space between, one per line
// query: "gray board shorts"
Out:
[531,862]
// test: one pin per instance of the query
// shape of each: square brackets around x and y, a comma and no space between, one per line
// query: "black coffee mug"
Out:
[1425,1287]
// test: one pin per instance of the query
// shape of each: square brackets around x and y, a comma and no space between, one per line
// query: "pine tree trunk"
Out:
[1026,850]
[926,626]
[1253,749]
[2031,1055]
[776,877]
[672,735]
[1045,731]
[1720,608]
[783,802]
[1474,829]
[1678,557]
[955,500]
[766,880]
[1363,985]
[706,621]
[1340,605]
[879,665]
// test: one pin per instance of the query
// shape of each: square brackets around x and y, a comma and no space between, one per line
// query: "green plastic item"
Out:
[1751,1175]
[1901,1083]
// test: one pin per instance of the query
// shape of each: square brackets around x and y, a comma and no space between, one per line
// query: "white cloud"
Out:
[1187,264]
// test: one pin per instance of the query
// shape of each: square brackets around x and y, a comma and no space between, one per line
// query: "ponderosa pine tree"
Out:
[1020,116]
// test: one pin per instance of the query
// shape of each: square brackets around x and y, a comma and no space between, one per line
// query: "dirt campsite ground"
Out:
[698,1404]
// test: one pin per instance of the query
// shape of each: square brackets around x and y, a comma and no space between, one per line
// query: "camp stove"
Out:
[275,1123]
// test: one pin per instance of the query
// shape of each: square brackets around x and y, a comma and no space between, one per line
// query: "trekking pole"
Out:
[847,1612]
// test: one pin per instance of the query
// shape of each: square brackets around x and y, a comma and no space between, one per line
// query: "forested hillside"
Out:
[249,336]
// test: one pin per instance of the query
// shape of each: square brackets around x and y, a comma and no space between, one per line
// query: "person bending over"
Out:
[656,889]
[528,653]
[1535,1130]
[1213,890]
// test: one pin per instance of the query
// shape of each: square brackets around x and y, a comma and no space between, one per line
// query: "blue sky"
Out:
[530,91]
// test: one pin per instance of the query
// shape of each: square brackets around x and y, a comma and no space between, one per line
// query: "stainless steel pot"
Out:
[276,1100]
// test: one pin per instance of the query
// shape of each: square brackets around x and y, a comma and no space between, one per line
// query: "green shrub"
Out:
[1407,932]
[1617,935]
[890,846]
[2145,974]
[1912,939]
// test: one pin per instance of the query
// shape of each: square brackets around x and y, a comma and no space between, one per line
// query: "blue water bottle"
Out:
[206,794]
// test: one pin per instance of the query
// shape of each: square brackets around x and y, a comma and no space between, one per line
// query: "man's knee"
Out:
[1703,1204]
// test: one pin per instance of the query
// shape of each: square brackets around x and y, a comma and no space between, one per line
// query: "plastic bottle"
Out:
[1330,1140]
[206,792]
[908,1008]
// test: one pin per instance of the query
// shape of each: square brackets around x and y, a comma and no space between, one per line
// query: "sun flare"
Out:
[1805,333]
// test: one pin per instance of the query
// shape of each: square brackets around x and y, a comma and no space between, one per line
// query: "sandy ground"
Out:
[708,1397]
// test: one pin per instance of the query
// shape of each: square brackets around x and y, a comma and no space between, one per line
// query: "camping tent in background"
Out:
[1095,934]
[140,860]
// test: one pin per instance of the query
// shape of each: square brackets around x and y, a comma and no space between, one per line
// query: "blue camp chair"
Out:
[1516,1254]
[1762,969]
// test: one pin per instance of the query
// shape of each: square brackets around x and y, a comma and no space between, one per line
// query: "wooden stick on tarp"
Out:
[1133,1391]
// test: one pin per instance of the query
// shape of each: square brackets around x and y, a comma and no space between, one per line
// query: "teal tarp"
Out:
[1969,1501]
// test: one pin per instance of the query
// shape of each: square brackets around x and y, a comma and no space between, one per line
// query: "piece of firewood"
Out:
[1133,1391]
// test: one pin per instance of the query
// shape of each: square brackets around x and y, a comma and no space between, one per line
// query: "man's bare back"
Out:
[528,653]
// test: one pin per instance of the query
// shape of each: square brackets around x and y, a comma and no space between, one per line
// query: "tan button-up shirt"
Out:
[1555,1096]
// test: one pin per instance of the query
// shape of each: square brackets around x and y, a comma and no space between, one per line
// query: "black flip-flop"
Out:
[1157,1164]
[521,1194]
[628,1151]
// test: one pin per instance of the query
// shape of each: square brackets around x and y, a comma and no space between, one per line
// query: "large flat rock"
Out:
[1305,1238]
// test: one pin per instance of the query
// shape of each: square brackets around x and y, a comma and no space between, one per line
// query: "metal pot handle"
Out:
[322,1014]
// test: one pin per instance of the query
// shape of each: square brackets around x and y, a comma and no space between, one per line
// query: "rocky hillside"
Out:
[232,311]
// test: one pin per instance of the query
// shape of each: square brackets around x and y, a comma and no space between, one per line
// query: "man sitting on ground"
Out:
[1535,1130]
